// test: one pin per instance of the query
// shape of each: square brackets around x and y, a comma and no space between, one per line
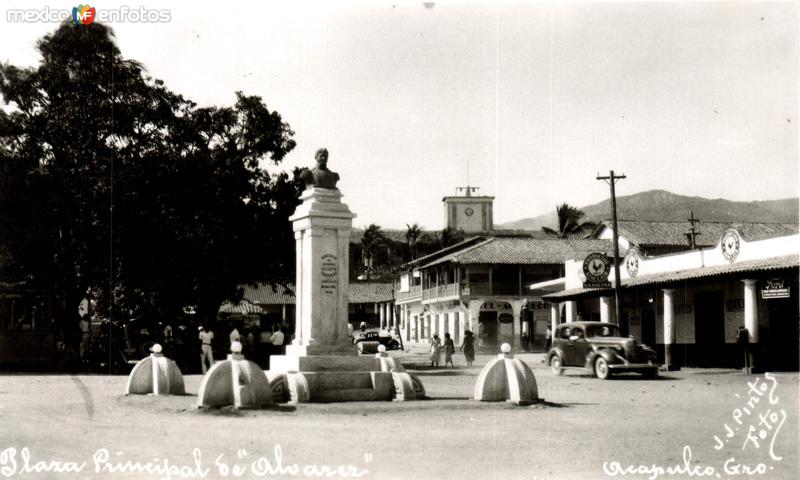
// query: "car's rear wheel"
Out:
[601,369]
[555,365]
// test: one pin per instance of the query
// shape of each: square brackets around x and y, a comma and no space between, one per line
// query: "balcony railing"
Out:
[455,291]
[414,293]
[442,292]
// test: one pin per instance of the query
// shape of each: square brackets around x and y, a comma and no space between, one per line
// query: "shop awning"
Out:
[668,278]
[242,308]
[760,265]
[576,293]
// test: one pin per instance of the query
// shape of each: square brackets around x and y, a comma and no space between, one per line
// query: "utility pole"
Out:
[611,179]
[692,233]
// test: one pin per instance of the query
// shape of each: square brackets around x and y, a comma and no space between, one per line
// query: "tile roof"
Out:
[524,251]
[360,292]
[673,234]
[665,278]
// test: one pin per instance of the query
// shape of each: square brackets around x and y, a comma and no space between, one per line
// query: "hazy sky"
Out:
[694,98]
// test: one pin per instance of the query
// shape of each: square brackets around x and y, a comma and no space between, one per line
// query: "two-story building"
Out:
[481,285]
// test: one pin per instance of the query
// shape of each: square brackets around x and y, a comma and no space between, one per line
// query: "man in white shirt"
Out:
[276,340]
[206,353]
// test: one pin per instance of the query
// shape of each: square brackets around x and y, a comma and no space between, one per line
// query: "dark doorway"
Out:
[709,330]
[487,330]
[649,327]
[780,341]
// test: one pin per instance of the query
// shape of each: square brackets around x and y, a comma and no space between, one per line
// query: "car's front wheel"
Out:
[555,365]
[601,369]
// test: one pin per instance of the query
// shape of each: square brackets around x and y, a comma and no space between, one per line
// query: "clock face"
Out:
[730,245]
[468,212]
[632,263]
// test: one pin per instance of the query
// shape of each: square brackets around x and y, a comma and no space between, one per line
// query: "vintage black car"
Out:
[369,341]
[599,347]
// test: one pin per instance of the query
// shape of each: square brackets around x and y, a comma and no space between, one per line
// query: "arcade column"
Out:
[669,328]
[751,322]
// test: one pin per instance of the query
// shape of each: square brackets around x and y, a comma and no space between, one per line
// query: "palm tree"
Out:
[569,222]
[413,233]
[449,237]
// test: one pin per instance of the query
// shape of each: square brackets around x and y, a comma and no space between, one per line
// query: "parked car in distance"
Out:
[369,341]
[599,347]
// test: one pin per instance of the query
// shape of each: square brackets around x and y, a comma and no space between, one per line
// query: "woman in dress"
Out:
[449,350]
[468,347]
[436,350]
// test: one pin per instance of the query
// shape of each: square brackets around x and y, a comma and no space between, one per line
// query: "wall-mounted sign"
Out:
[330,274]
[596,268]
[774,288]
[730,244]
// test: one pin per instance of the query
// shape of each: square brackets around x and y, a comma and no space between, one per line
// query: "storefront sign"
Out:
[774,288]
[596,268]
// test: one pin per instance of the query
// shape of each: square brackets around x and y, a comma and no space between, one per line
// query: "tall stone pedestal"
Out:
[322,364]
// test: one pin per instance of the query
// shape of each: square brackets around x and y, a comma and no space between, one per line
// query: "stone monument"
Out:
[322,364]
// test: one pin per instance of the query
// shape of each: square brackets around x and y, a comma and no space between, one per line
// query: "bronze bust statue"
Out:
[320,176]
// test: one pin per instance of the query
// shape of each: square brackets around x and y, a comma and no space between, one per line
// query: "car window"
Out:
[603,331]
[565,333]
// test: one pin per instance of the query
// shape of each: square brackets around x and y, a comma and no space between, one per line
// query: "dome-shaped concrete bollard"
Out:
[388,364]
[235,382]
[155,374]
[506,378]
[406,386]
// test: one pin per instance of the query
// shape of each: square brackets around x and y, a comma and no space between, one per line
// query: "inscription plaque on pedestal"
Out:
[330,274]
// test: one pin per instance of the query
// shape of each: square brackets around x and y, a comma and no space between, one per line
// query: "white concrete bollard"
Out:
[156,375]
[506,378]
[236,382]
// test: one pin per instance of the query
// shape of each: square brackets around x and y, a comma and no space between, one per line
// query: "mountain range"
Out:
[667,206]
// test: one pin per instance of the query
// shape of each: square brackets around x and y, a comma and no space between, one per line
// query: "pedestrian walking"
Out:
[468,347]
[449,350]
[206,352]
[436,350]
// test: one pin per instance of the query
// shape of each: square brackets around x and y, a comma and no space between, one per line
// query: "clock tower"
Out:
[468,212]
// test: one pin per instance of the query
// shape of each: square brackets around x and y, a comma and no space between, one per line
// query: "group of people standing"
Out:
[467,346]
[259,348]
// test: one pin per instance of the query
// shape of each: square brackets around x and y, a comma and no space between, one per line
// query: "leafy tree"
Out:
[112,183]
[569,222]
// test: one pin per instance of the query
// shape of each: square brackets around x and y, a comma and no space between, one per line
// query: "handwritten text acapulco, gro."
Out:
[103,463]
[758,416]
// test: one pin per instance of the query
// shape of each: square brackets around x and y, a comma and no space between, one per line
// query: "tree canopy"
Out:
[110,182]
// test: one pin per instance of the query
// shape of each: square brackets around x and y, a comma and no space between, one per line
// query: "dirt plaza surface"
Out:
[687,424]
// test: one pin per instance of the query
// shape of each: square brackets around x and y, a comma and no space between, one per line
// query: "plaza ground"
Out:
[583,423]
